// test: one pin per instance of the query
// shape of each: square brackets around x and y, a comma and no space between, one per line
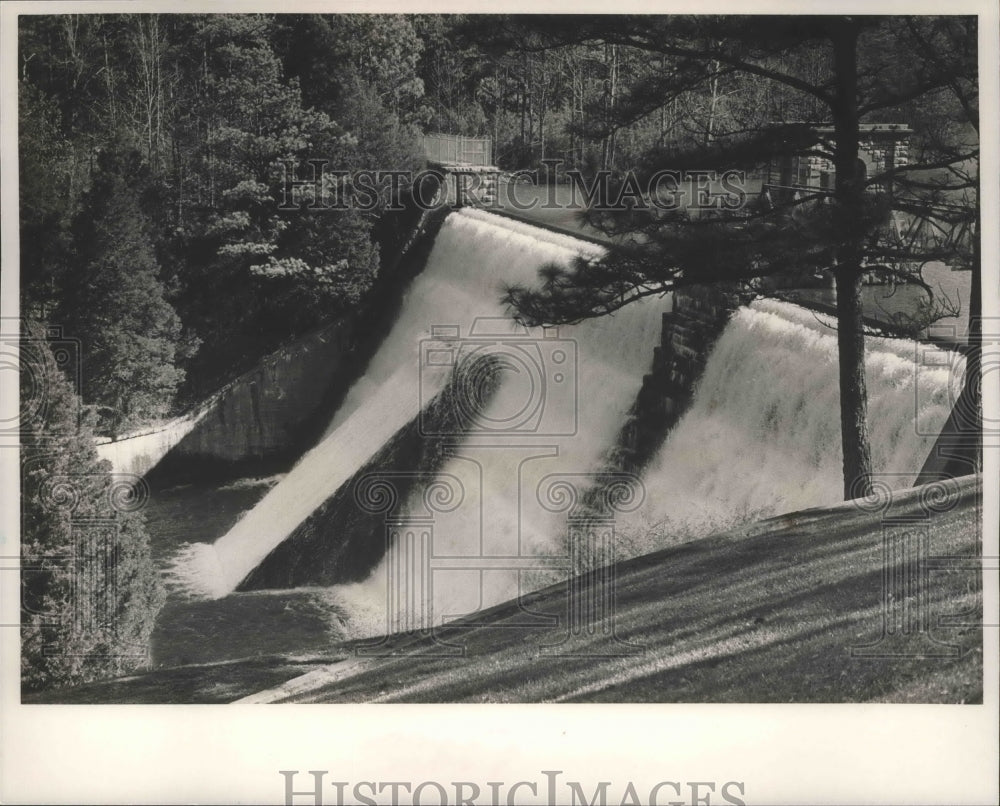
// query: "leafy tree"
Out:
[359,71]
[44,203]
[311,51]
[212,117]
[90,591]
[115,303]
[61,54]
[451,71]
[384,50]
[943,203]
[252,272]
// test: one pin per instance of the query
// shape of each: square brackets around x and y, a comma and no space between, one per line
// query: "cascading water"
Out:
[561,399]
[762,435]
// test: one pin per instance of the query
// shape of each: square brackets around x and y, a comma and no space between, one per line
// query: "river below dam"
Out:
[193,630]
[457,519]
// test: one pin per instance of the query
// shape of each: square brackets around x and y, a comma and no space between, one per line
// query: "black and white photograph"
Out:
[356,357]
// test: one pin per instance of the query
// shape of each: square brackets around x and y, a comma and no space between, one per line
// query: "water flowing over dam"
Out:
[562,395]
[490,516]
[762,435]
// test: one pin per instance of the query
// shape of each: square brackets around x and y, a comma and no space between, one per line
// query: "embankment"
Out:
[792,609]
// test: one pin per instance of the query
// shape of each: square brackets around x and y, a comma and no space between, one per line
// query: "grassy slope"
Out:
[765,613]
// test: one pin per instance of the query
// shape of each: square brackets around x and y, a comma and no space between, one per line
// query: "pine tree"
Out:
[844,229]
[258,263]
[114,301]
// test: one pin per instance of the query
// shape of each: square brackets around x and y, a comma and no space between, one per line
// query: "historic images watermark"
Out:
[91,504]
[912,624]
[543,369]
[22,367]
[970,419]
[314,185]
[916,577]
[90,568]
[497,404]
[548,787]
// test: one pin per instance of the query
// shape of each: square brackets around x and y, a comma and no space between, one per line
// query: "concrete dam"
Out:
[458,468]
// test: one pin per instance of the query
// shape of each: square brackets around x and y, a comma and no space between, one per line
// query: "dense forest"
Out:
[155,152]
[154,148]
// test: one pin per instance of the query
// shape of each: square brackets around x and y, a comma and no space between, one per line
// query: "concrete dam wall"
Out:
[263,414]
[138,453]
[277,410]
[266,410]
[733,418]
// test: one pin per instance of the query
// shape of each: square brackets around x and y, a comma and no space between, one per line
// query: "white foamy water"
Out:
[474,256]
[484,550]
[762,435]
[216,569]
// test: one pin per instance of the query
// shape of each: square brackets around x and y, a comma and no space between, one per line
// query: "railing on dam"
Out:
[456,149]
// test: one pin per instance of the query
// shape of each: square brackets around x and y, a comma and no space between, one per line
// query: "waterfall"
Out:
[562,398]
[495,517]
[762,435]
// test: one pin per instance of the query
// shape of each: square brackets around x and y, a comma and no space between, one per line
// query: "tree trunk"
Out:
[848,195]
[524,104]
[613,139]
[853,392]
[972,391]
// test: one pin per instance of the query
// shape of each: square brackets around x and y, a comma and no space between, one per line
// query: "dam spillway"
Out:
[538,408]
[761,437]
